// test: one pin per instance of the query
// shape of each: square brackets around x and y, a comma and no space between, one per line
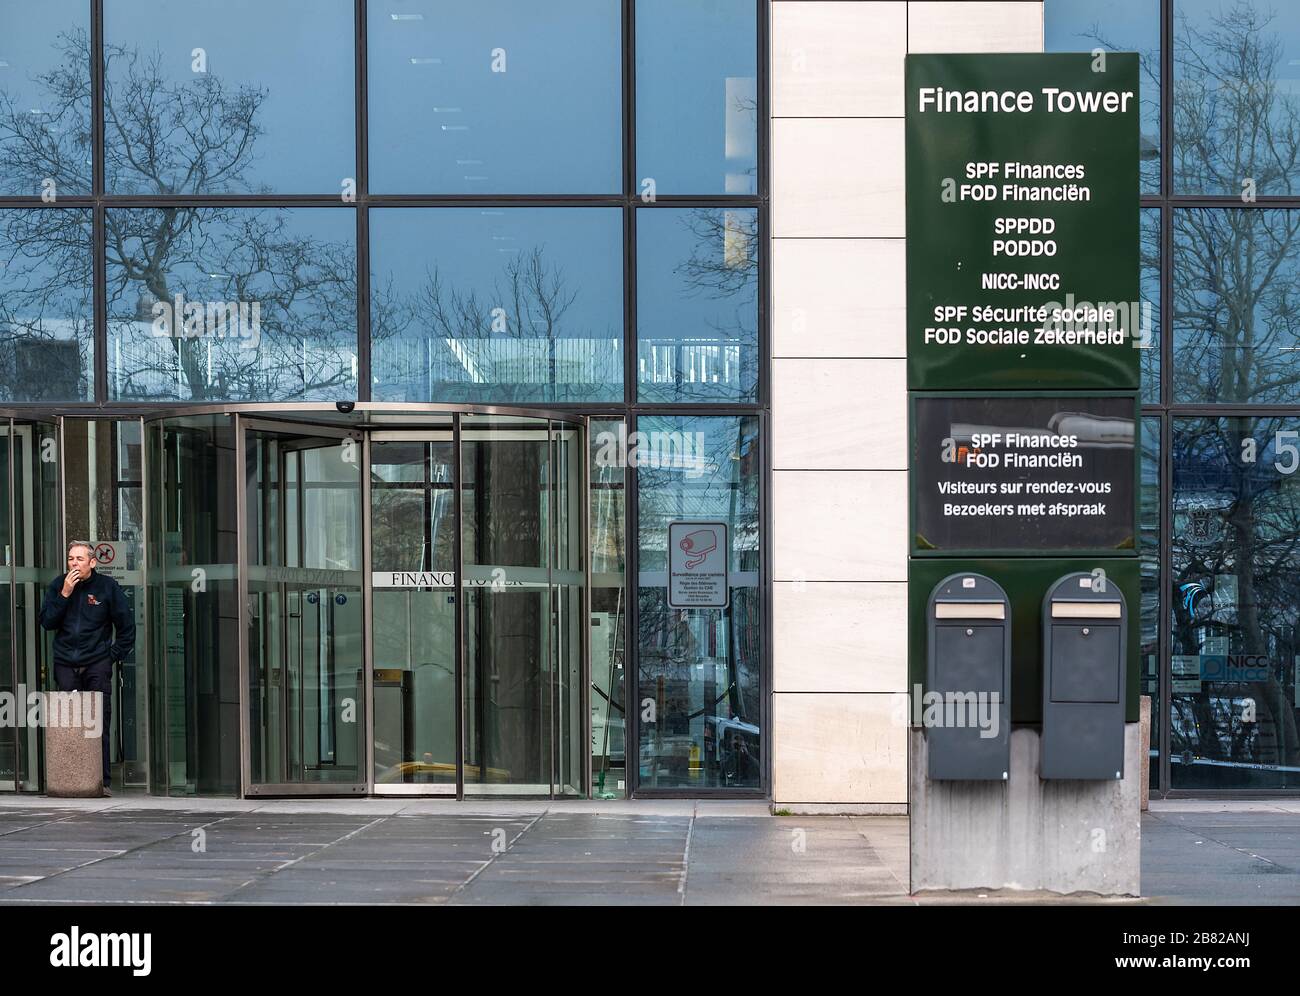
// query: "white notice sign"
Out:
[697,565]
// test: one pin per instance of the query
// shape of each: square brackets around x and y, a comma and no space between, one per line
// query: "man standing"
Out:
[85,608]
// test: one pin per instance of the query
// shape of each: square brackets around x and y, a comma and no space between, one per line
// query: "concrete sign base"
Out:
[1027,834]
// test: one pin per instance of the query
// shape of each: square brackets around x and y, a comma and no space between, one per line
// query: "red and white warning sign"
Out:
[116,558]
[697,565]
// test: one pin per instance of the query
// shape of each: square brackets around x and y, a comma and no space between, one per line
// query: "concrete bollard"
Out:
[74,767]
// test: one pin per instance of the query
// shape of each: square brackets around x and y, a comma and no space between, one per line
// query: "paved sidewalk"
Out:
[437,852]
[144,850]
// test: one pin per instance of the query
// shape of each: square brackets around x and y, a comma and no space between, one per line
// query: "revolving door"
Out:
[385,601]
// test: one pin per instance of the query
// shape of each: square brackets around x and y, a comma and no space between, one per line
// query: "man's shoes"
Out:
[107,791]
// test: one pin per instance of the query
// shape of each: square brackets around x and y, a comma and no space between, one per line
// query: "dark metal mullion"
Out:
[765,398]
[631,649]
[1164,577]
[361,89]
[335,200]
[97,98]
[584,612]
[1164,572]
[764,370]
[631,348]
[552,604]
[12,583]
[1289,202]
[152,410]
[629,207]
[430,505]
[459,595]
[631,637]
[629,100]
[765,593]
[1166,97]
[98,239]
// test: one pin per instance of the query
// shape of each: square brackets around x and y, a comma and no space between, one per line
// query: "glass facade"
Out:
[494,97]
[697,97]
[502,204]
[508,305]
[1221,410]
[412,205]
[46,306]
[700,669]
[206,98]
[231,304]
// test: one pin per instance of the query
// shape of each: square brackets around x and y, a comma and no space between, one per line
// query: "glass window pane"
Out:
[46,305]
[1236,120]
[45,98]
[232,304]
[496,96]
[500,304]
[1234,574]
[1149,314]
[193,651]
[697,96]
[1149,548]
[697,304]
[1117,26]
[228,96]
[1236,332]
[702,667]
[608,547]
[1236,124]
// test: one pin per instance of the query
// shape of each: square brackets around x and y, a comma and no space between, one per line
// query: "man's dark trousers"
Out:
[91,678]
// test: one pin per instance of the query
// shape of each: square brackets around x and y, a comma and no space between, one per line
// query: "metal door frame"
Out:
[301,430]
[11,587]
[424,434]
[26,426]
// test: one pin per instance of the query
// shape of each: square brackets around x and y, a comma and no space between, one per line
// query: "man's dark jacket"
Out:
[85,620]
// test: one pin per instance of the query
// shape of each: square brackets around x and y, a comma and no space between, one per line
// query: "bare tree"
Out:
[1235,129]
[516,337]
[173,138]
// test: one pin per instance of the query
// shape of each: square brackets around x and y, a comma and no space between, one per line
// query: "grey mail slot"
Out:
[1085,632]
[966,706]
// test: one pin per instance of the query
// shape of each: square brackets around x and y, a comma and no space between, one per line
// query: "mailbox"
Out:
[1085,630]
[966,706]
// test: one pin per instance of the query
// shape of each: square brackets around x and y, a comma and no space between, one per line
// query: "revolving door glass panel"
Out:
[413,609]
[193,595]
[29,537]
[303,573]
[523,581]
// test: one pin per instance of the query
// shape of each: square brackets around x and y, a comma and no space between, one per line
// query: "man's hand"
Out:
[70,581]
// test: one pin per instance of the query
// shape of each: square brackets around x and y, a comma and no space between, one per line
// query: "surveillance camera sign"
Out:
[697,565]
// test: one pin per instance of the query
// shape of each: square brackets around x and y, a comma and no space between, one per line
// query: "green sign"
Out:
[1022,222]
[1024,321]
